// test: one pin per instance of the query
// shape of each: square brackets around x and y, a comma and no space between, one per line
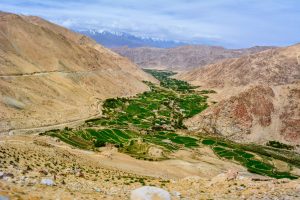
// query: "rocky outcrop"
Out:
[257,95]
[258,114]
[290,116]
[236,116]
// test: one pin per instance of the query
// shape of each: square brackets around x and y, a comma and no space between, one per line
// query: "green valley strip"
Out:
[153,120]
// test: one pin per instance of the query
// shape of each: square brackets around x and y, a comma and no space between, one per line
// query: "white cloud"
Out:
[238,22]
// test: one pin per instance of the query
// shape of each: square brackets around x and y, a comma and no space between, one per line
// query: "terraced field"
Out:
[254,163]
[137,124]
[151,121]
[159,109]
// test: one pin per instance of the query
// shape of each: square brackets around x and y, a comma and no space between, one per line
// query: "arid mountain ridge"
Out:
[274,67]
[258,96]
[183,57]
[50,75]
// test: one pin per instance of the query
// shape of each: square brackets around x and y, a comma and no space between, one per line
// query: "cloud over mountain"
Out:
[230,23]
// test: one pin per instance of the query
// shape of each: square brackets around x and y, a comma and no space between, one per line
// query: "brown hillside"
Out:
[273,67]
[258,96]
[182,58]
[50,75]
[258,114]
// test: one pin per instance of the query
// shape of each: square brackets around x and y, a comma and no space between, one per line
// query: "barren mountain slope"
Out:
[258,114]
[50,75]
[182,58]
[258,95]
[273,67]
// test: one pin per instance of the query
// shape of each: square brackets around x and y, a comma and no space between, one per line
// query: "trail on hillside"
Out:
[44,128]
[43,73]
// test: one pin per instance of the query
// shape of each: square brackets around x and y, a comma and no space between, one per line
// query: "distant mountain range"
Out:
[120,39]
[183,57]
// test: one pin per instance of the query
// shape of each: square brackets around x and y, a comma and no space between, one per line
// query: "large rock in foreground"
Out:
[150,193]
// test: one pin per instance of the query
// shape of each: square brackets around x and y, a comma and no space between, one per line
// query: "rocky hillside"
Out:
[258,96]
[258,114]
[182,58]
[273,67]
[50,75]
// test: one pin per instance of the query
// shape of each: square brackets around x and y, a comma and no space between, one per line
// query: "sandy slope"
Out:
[50,75]
[107,174]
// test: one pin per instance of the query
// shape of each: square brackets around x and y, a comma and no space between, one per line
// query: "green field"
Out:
[128,141]
[153,119]
[253,158]
[147,120]
[158,109]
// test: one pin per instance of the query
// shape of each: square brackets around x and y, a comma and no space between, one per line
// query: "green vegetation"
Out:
[279,145]
[254,163]
[207,91]
[127,141]
[170,83]
[152,119]
[155,110]
[136,124]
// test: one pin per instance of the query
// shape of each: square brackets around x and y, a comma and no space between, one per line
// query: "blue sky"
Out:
[232,23]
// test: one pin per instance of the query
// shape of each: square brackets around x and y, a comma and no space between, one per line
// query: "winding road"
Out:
[48,127]
[43,73]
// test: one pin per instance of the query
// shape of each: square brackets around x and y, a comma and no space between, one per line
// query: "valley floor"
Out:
[142,141]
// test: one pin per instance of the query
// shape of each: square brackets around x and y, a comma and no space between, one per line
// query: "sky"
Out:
[230,23]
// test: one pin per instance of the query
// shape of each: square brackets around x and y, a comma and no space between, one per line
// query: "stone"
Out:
[48,182]
[149,193]
[176,194]
[6,176]
[3,197]
[232,174]
[79,174]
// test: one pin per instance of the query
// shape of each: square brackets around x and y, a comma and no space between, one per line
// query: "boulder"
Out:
[176,194]
[3,197]
[48,182]
[6,176]
[149,193]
